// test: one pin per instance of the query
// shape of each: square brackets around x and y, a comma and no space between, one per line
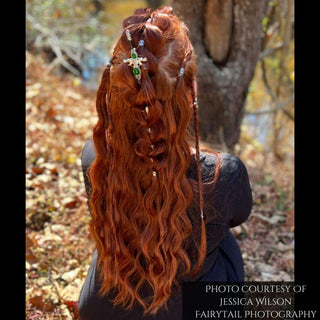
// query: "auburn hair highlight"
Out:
[140,224]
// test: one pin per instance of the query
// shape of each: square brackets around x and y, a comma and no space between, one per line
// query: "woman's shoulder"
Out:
[231,166]
[228,161]
[88,154]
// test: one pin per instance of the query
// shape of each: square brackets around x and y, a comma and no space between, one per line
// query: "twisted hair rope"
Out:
[196,131]
[203,240]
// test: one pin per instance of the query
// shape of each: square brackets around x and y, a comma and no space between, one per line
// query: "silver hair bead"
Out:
[149,20]
[141,43]
[181,72]
[128,35]
[154,173]
[195,102]
[202,215]
[149,130]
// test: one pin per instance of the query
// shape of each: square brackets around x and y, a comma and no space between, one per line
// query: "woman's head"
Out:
[167,49]
[140,191]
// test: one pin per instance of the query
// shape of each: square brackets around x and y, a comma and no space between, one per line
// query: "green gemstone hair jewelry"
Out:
[135,61]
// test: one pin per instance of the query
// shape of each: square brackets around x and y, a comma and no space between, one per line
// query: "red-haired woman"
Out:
[161,211]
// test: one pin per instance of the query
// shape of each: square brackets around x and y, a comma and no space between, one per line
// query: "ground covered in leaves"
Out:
[60,115]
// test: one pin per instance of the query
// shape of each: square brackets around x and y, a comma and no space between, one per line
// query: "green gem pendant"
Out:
[135,61]
[136,71]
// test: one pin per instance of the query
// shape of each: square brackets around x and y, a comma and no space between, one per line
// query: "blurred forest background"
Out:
[67,45]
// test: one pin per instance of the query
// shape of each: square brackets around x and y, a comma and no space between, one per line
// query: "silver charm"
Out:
[181,72]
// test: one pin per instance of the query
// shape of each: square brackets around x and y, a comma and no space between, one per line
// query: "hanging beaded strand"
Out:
[196,133]
[203,236]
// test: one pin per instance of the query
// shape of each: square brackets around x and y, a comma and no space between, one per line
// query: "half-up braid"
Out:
[140,191]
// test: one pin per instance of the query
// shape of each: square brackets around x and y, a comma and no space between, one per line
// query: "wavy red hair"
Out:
[140,222]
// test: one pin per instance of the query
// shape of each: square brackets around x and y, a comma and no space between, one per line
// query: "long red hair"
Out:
[140,222]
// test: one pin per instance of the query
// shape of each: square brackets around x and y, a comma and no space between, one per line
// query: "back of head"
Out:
[140,191]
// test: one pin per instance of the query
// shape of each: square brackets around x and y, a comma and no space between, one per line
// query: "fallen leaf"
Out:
[32,93]
[73,308]
[38,170]
[71,203]
[40,303]
[38,219]
[272,220]
[70,275]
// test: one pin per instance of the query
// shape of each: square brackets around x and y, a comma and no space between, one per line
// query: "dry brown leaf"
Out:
[40,303]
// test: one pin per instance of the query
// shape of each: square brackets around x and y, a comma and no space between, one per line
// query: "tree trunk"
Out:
[227,37]
[154,4]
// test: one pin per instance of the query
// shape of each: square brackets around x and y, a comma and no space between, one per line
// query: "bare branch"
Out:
[266,82]
[270,51]
[279,106]
[64,49]
[288,114]
[54,44]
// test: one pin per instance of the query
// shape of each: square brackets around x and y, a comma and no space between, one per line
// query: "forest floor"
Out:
[60,115]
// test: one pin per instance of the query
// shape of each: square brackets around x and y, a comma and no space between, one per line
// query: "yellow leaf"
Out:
[71,158]
[292,76]
[32,93]
[76,81]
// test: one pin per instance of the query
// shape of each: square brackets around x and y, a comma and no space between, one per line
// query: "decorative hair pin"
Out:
[135,61]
